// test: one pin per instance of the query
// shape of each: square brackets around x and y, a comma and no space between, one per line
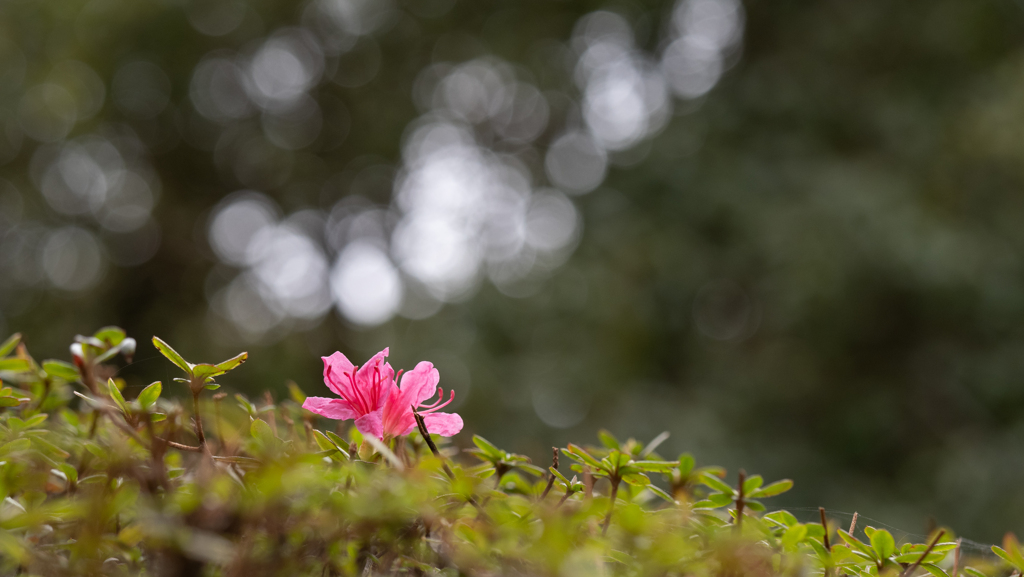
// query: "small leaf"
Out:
[974,572]
[172,355]
[637,479]
[883,543]
[115,394]
[296,393]
[608,439]
[10,344]
[70,473]
[934,570]
[752,483]
[14,365]
[717,484]
[9,401]
[336,440]
[15,446]
[686,464]
[776,488]
[654,444]
[577,453]
[211,386]
[327,445]
[204,370]
[784,518]
[661,493]
[262,431]
[232,363]
[655,466]
[488,448]
[60,370]
[112,336]
[148,397]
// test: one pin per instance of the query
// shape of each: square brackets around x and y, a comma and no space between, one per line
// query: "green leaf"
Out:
[783,518]
[488,448]
[112,336]
[577,453]
[558,475]
[262,431]
[755,506]
[296,393]
[637,479]
[211,386]
[327,444]
[776,488]
[60,370]
[204,370]
[337,440]
[232,363]
[115,394]
[655,466]
[10,344]
[608,439]
[172,355]
[15,365]
[686,464]
[752,483]
[883,543]
[661,493]
[15,447]
[9,401]
[654,444]
[148,397]
[35,421]
[934,570]
[717,484]
[69,472]
[974,572]
[794,535]
[856,545]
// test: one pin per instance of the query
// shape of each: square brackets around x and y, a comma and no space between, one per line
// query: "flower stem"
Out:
[611,506]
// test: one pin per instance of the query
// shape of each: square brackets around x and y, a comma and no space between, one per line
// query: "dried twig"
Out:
[910,570]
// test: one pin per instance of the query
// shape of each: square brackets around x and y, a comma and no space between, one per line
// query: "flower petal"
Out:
[420,384]
[371,424]
[374,379]
[444,424]
[337,409]
[335,366]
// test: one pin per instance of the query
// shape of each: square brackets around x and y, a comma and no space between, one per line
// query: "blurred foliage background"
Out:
[790,233]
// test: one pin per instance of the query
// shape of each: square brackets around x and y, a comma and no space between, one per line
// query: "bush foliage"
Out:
[97,478]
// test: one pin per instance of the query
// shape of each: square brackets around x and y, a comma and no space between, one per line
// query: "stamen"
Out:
[440,397]
[431,410]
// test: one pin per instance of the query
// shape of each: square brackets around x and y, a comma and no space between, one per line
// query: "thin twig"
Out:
[739,502]
[551,476]
[198,421]
[853,524]
[824,525]
[910,570]
[611,506]
[430,443]
[433,449]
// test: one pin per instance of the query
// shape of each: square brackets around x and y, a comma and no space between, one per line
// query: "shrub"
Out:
[96,483]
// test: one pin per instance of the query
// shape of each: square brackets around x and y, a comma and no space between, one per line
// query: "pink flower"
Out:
[381,408]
